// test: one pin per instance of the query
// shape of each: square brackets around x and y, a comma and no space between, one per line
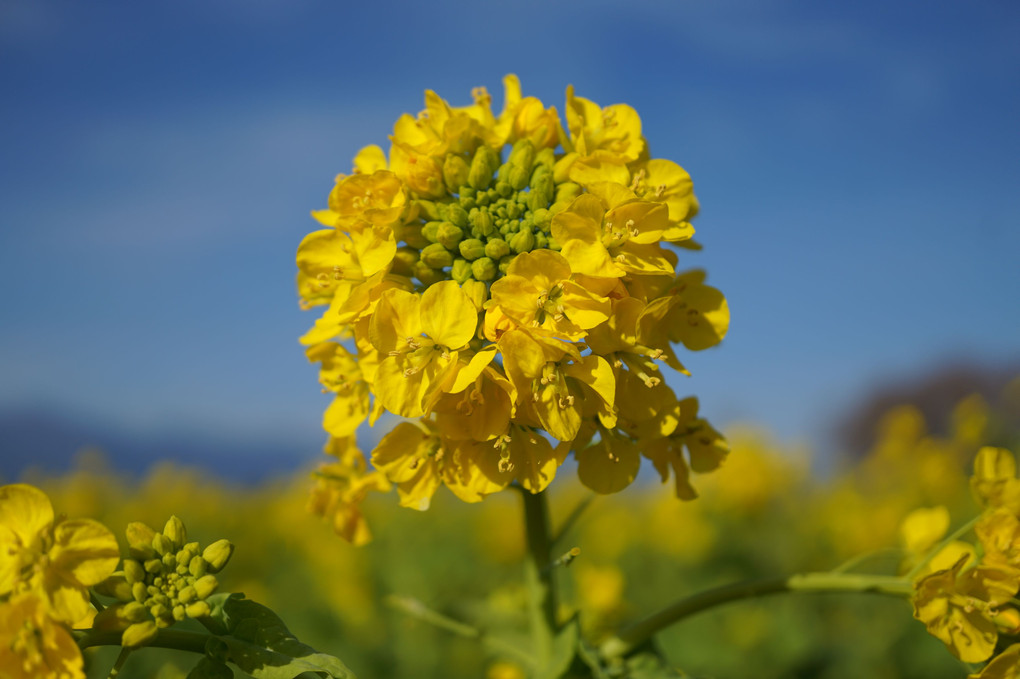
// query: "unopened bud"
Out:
[162,544]
[522,155]
[483,222]
[198,567]
[175,532]
[178,612]
[139,592]
[567,191]
[187,595]
[413,236]
[523,241]
[483,165]
[133,571]
[133,612]
[455,172]
[403,261]
[430,230]
[139,634]
[497,248]
[428,209]
[449,235]
[504,264]
[154,566]
[477,291]
[426,274]
[139,537]
[472,248]
[461,270]
[199,609]
[504,189]
[436,256]
[205,586]
[517,177]
[218,554]
[545,158]
[457,215]
[117,586]
[483,269]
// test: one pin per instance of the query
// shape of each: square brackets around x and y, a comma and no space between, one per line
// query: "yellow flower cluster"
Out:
[508,284]
[966,593]
[46,568]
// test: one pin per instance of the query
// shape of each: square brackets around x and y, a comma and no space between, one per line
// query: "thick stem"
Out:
[539,577]
[181,641]
[641,631]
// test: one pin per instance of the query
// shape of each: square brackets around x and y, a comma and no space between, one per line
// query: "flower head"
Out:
[511,281]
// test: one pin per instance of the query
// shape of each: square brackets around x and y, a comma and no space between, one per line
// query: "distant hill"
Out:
[39,438]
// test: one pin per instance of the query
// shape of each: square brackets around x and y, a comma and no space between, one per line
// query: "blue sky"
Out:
[857,165]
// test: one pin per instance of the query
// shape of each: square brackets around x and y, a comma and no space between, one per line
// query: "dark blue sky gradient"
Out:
[857,165]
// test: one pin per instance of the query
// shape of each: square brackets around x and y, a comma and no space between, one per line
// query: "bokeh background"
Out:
[857,166]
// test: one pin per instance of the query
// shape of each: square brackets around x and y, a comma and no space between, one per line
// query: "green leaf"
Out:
[207,668]
[260,644]
[564,650]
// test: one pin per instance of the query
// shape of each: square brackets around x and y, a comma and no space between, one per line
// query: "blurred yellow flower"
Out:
[34,646]
[58,560]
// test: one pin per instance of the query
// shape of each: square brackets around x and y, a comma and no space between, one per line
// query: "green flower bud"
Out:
[154,566]
[205,586]
[517,177]
[541,193]
[502,173]
[497,248]
[139,634]
[457,215]
[461,270]
[430,231]
[178,612]
[426,274]
[514,211]
[504,189]
[482,199]
[483,165]
[413,236]
[455,172]
[448,236]
[133,571]
[472,248]
[403,261]
[567,191]
[545,158]
[504,264]
[159,610]
[436,256]
[483,269]
[139,537]
[117,585]
[138,592]
[523,241]
[175,532]
[217,555]
[467,203]
[542,218]
[133,612]
[482,220]
[169,562]
[187,595]
[162,544]
[466,193]
[522,155]
[477,291]
[553,245]
[198,567]
[541,241]
[199,609]
[428,210]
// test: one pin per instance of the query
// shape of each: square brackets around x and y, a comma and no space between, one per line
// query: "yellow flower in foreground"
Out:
[958,607]
[57,560]
[513,283]
[1006,665]
[33,646]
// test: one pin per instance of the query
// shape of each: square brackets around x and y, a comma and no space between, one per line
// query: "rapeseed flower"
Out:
[511,282]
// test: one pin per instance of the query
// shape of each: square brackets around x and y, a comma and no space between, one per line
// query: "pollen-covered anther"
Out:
[617,363]
[565,401]
[338,273]
[505,466]
[652,382]
[630,227]
[412,343]
[655,354]
[408,372]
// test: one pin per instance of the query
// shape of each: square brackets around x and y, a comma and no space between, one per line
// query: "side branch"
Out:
[817,583]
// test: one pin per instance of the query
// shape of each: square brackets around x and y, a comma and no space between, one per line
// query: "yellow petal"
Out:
[26,511]
[86,549]
[448,315]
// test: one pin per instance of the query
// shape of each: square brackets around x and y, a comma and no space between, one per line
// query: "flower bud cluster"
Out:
[164,580]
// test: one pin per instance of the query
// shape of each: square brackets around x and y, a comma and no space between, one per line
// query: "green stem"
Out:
[119,663]
[933,552]
[96,602]
[572,518]
[181,641]
[641,631]
[540,579]
[417,609]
